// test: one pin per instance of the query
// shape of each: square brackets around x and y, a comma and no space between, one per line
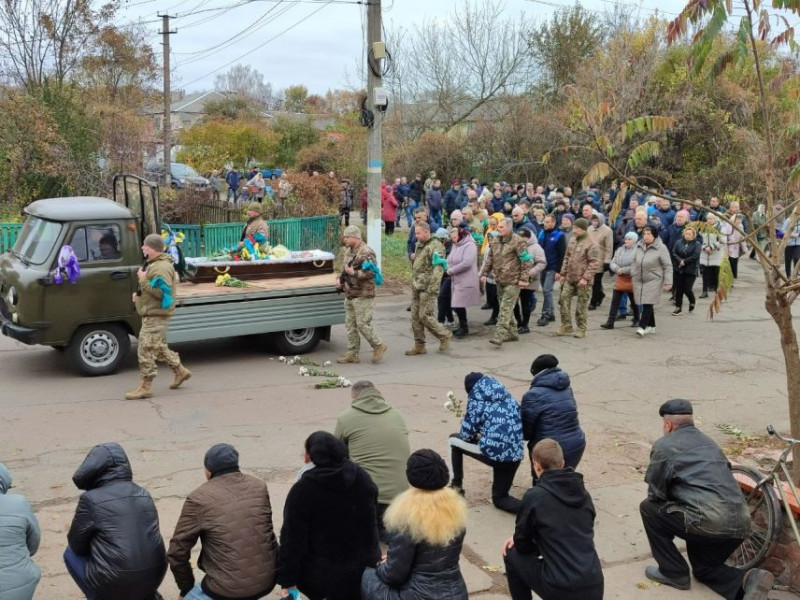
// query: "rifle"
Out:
[139,287]
[343,275]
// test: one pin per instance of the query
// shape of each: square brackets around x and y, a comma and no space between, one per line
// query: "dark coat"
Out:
[416,572]
[451,200]
[687,256]
[329,534]
[549,410]
[556,522]
[116,528]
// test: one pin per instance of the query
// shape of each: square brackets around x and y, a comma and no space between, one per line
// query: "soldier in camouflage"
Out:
[358,285]
[509,262]
[426,278]
[158,279]
[581,261]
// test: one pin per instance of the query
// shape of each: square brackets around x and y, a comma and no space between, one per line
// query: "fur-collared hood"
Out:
[436,517]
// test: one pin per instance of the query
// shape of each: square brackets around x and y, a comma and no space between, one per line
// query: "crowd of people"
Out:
[368,518]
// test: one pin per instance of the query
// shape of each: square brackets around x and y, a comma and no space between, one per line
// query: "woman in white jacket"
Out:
[527,296]
[711,253]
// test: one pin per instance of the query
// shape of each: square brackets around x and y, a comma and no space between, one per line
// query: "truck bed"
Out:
[201,293]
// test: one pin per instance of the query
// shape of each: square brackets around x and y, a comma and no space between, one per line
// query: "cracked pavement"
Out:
[731,368]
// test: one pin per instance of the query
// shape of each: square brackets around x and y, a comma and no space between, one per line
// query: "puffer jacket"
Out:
[19,541]
[622,263]
[537,265]
[549,410]
[690,475]
[712,249]
[149,303]
[687,256]
[360,284]
[232,515]
[493,421]
[416,571]
[652,270]
[116,528]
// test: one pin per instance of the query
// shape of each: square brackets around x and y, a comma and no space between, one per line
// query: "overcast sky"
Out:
[323,44]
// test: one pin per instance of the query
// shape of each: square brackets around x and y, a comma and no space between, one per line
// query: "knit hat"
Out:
[632,235]
[569,216]
[471,379]
[352,231]
[154,241]
[221,457]
[581,224]
[442,234]
[426,470]
[255,207]
[456,180]
[542,362]
[457,214]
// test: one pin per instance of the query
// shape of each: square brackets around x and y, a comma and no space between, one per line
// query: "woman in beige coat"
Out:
[651,273]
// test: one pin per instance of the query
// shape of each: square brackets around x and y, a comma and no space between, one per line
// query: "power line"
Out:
[276,36]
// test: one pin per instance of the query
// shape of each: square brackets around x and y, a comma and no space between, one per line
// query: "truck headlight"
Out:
[11,296]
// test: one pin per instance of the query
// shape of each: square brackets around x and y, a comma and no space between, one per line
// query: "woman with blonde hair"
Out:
[425,527]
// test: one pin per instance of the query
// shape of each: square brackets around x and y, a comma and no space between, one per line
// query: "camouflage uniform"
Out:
[425,291]
[359,290]
[509,262]
[581,261]
[153,335]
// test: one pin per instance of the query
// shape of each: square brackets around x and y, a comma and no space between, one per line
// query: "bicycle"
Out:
[765,507]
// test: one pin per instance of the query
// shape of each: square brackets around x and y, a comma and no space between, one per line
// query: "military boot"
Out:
[417,349]
[350,357]
[181,374]
[444,341]
[377,353]
[145,390]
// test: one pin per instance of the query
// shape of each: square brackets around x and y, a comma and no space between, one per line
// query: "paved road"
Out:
[731,368]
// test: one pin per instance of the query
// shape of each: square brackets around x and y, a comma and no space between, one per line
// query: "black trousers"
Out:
[647,317]
[445,313]
[710,278]
[791,255]
[502,473]
[683,286]
[524,307]
[597,289]
[616,297]
[707,555]
[461,314]
[524,574]
[492,299]
[344,213]
[734,266]
[388,227]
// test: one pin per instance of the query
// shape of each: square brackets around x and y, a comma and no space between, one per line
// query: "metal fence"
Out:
[309,233]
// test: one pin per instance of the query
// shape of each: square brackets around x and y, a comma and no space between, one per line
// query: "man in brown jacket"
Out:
[509,261]
[602,235]
[581,262]
[358,284]
[232,516]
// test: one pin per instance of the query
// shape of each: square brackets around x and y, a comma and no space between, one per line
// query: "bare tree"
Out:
[245,81]
[442,72]
[45,40]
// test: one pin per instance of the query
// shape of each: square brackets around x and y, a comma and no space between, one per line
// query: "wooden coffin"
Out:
[203,270]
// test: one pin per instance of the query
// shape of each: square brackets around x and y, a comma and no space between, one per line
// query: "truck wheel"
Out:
[98,349]
[296,341]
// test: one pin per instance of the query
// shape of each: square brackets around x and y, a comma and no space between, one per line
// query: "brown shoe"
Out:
[580,333]
[377,353]
[181,374]
[350,357]
[444,342]
[145,390]
[417,349]
[564,331]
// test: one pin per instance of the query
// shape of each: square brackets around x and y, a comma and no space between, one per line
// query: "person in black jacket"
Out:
[685,258]
[693,495]
[552,551]
[549,410]
[115,548]
[330,532]
[425,526]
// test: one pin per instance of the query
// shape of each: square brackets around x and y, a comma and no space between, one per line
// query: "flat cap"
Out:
[676,406]
[221,457]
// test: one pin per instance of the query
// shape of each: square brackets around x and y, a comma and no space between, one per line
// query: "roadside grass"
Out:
[396,266]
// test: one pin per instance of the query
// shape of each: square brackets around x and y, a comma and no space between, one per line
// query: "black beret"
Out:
[542,362]
[676,406]
[220,457]
[426,470]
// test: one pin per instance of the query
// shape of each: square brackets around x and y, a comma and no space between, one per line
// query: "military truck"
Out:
[92,319]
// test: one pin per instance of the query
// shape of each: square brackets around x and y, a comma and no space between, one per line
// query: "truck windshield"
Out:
[37,239]
[181,170]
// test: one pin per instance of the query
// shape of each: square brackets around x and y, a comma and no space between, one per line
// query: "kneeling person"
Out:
[552,552]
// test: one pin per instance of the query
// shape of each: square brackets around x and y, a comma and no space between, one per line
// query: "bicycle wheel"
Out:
[765,515]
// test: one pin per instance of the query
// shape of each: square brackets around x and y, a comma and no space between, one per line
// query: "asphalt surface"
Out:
[731,368]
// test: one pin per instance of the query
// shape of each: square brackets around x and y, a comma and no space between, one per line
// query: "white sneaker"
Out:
[641,332]
[649,330]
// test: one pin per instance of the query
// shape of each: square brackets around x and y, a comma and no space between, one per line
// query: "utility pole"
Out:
[374,139]
[165,31]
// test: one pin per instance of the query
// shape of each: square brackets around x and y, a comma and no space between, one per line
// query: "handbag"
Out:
[623,283]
